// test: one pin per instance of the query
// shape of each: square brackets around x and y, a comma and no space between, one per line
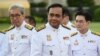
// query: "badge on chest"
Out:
[91,41]
[24,37]
[49,38]
[76,42]
[12,36]
[65,38]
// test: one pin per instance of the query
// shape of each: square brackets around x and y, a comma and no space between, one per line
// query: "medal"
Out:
[76,42]
[12,36]
[49,38]
[65,38]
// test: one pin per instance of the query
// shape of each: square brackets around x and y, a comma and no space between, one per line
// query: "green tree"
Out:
[74,3]
[97,14]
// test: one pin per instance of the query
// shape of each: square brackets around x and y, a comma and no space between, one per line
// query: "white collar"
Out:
[86,34]
[22,25]
[50,27]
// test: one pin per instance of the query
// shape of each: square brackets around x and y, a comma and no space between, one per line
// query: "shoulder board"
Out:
[2,32]
[40,28]
[73,34]
[10,28]
[66,27]
[28,26]
[96,33]
[73,26]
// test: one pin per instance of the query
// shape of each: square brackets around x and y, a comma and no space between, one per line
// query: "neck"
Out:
[56,27]
[83,31]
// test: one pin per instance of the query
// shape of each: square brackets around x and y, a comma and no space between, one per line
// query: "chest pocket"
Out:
[92,45]
[49,44]
[11,41]
[24,39]
[75,45]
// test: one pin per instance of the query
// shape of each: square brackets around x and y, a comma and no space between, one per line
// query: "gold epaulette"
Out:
[66,27]
[2,32]
[73,34]
[96,33]
[10,28]
[73,26]
[40,28]
[30,27]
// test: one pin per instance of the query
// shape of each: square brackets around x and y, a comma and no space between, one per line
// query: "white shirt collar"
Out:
[50,27]
[22,25]
[86,34]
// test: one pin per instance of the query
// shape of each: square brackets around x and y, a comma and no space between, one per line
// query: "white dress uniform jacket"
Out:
[20,40]
[87,44]
[3,45]
[51,42]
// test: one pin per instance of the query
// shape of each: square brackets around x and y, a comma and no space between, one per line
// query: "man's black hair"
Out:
[56,5]
[86,14]
[31,19]
[67,13]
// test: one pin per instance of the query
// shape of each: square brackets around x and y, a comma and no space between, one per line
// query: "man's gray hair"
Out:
[17,6]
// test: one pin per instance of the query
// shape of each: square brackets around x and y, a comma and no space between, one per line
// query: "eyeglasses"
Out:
[15,15]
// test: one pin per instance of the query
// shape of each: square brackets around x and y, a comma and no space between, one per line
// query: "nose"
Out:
[54,17]
[14,18]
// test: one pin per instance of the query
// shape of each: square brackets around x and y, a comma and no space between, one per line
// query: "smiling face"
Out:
[81,23]
[55,16]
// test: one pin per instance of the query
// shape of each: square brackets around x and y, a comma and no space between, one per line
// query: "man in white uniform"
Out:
[4,45]
[53,39]
[66,21]
[20,34]
[84,42]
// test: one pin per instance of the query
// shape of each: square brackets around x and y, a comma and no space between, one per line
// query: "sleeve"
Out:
[98,49]
[36,45]
[4,47]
